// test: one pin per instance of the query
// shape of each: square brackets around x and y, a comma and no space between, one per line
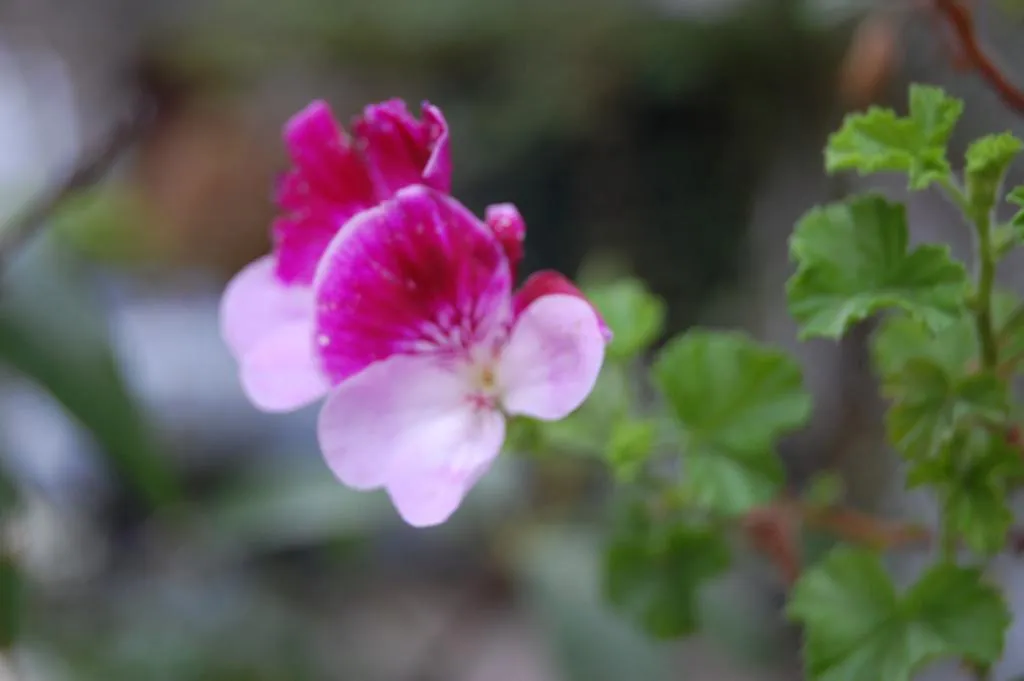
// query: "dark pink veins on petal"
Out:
[418,274]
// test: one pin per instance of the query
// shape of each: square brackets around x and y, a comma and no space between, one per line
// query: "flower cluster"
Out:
[389,297]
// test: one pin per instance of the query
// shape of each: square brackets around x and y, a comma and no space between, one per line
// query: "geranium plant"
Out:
[947,347]
[395,302]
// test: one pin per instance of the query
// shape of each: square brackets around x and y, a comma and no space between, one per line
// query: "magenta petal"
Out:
[407,424]
[437,174]
[510,229]
[547,282]
[403,151]
[328,185]
[552,359]
[324,155]
[256,303]
[281,373]
[418,274]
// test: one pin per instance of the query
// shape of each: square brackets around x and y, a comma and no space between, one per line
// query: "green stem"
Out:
[986,282]
[957,195]
[947,540]
[985,268]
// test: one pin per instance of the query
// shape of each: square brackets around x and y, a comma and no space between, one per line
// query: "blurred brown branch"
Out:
[958,15]
[775,531]
[90,168]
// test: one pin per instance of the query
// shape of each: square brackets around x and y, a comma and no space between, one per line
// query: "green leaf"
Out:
[654,571]
[635,315]
[937,401]
[853,261]
[857,627]
[987,161]
[900,339]
[630,447]
[1016,197]
[929,405]
[1009,319]
[929,379]
[974,475]
[879,140]
[732,398]
[1007,236]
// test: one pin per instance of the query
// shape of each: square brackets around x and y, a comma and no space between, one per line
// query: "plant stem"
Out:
[986,281]
[985,268]
[947,538]
[955,193]
[961,20]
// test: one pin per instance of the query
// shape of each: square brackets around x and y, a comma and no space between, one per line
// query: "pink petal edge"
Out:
[255,304]
[281,374]
[547,282]
[552,359]
[406,424]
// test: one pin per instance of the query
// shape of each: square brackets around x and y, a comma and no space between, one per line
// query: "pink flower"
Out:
[334,178]
[423,349]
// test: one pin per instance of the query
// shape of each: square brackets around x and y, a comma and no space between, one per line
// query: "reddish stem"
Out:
[961,20]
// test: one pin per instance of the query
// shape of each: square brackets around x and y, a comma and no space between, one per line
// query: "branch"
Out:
[775,531]
[90,169]
[960,19]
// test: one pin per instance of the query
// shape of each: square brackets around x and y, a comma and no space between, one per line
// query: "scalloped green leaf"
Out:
[853,260]
[974,475]
[732,399]
[634,314]
[932,382]
[879,140]
[654,571]
[857,626]
[988,159]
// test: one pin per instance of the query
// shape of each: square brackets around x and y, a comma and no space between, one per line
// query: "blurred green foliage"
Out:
[613,126]
[53,332]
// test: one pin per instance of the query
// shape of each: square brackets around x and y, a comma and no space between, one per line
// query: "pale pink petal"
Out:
[281,372]
[552,359]
[547,282]
[418,274]
[404,151]
[428,498]
[408,424]
[328,185]
[256,303]
[510,228]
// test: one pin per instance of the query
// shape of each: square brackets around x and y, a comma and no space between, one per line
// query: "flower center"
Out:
[484,381]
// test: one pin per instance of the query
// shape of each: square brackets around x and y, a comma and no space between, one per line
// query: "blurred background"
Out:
[162,528]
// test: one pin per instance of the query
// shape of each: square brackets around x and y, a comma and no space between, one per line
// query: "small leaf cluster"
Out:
[698,461]
[728,401]
[945,351]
